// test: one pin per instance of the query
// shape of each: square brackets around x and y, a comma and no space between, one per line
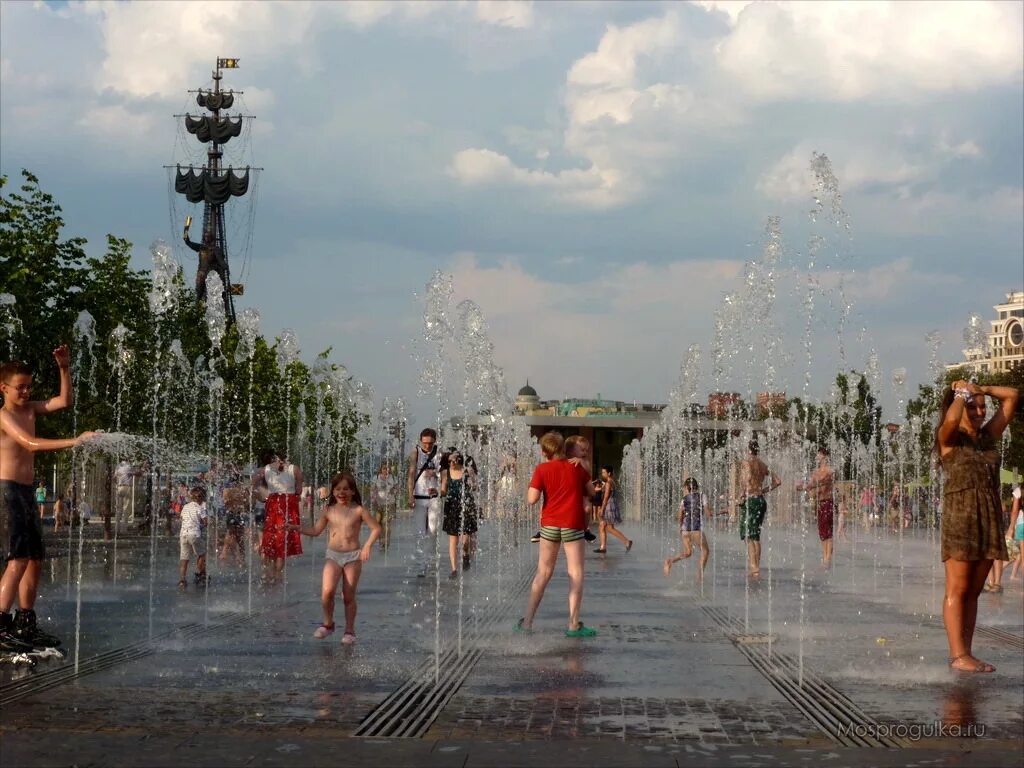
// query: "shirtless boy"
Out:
[343,516]
[22,535]
[820,485]
[753,473]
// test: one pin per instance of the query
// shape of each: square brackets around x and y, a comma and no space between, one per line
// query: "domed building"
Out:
[527,399]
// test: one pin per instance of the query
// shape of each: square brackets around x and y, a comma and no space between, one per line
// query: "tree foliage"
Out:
[166,381]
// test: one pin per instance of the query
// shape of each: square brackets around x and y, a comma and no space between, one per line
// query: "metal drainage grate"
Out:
[756,639]
[1002,636]
[410,710]
[41,681]
[831,711]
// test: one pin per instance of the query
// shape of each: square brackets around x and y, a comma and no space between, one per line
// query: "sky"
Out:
[596,176]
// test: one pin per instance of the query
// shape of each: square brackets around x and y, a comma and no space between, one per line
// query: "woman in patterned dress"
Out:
[972,534]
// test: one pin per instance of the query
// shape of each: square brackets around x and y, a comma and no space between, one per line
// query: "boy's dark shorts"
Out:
[22,532]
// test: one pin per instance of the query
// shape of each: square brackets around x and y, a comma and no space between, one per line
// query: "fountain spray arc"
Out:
[748,347]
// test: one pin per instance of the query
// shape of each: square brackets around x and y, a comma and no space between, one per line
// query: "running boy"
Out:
[22,535]
[192,541]
[344,515]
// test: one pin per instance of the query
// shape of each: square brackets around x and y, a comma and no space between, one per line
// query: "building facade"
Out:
[1005,348]
[609,425]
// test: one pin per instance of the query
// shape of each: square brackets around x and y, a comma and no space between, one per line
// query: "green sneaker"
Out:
[523,629]
[581,631]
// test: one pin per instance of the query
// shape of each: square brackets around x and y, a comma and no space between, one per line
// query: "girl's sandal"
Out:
[981,667]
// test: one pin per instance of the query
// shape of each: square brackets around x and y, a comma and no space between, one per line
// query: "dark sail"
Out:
[212,100]
[208,128]
[205,187]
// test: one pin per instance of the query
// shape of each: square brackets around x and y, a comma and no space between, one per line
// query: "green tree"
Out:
[53,280]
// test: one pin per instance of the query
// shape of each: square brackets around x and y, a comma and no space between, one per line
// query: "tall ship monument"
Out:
[213,181]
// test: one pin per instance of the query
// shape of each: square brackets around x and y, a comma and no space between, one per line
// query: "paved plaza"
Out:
[804,667]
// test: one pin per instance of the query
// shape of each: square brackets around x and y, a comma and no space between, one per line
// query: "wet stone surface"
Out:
[232,674]
[707,721]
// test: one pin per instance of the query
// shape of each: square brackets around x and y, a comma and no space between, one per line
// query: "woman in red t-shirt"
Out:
[562,523]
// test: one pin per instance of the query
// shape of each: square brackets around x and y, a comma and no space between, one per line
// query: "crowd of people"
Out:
[978,540]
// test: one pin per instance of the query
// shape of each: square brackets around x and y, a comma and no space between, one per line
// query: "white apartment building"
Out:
[1005,339]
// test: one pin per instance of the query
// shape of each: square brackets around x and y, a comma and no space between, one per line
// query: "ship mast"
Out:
[213,214]
[214,185]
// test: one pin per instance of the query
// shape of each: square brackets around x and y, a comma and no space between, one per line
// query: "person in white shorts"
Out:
[423,488]
[193,544]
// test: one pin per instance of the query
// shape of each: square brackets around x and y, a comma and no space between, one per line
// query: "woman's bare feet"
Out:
[667,565]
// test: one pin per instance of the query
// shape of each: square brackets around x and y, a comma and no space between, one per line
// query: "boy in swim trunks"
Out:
[577,450]
[22,531]
[344,515]
[820,484]
[753,505]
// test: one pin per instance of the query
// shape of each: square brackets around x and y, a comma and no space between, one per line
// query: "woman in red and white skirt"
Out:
[281,482]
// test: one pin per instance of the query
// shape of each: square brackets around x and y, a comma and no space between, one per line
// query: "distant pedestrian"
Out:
[460,511]
[423,480]
[611,512]
[867,505]
[236,507]
[283,482]
[192,537]
[691,533]
[820,485]
[756,480]
[384,501]
[41,499]
[124,480]
[1015,536]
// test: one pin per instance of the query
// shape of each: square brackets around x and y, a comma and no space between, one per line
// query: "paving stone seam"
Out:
[409,711]
[1001,635]
[834,713]
[33,684]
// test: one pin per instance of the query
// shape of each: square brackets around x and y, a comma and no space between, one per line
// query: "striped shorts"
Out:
[553,533]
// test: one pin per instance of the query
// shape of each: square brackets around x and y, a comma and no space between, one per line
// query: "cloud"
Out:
[505,13]
[624,123]
[906,164]
[485,167]
[635,106]
[966,148]
[849,51]
[791,179]
[116,121]
[547,323]
[886,282]
[156,49]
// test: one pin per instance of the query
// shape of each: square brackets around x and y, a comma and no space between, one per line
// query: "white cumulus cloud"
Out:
[850,51]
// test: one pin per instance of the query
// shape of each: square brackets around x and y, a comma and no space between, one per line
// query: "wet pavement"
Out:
[844,666]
